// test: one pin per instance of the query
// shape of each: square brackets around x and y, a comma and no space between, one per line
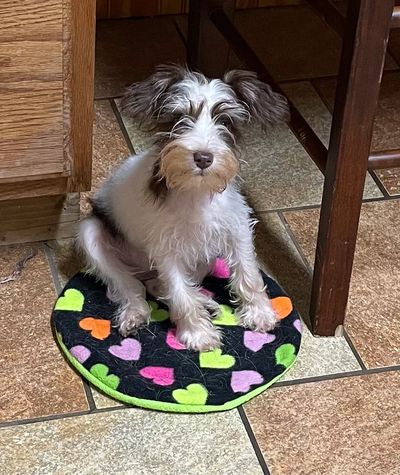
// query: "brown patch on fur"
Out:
[179,172]
[157,183]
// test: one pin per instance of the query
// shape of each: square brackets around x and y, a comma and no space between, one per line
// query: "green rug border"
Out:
[165,406]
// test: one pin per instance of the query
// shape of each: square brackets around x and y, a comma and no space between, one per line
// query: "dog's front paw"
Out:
[257,315]
[130,318]
[201,336]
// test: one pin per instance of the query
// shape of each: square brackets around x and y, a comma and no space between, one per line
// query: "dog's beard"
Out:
[181,174]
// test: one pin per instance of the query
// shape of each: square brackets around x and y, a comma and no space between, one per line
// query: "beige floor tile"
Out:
[293,43]
[372,321]
[279,258]
[131,441]
[34,377]
[127,51]
[102,401]
[345,426]
[387,123]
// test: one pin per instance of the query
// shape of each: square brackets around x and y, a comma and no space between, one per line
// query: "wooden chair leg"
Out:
[363,54]
[207,50]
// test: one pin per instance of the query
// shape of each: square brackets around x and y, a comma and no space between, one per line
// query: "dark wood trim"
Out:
[206,51]
[395,23]
[384,159]
[329,14]
[367,30]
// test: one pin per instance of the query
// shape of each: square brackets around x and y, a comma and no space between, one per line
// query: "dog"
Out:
[166,214]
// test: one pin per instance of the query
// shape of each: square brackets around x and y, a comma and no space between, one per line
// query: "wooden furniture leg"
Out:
[363,54]
[207,50]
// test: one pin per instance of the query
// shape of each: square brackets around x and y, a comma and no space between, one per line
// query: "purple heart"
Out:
[242,380]
[297,325]
[128,350]
[80,352]
[254,341]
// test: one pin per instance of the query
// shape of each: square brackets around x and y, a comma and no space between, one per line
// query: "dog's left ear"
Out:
[264,105]
[144,100]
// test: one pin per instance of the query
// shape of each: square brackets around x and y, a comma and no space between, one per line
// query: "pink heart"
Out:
[172,341]
[242,380]
[220,269]
[159,375]
[254,341]
[297,325]
[80,352]
[128,350]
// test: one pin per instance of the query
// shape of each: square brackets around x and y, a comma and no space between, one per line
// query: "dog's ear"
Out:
[144,100]
[264,105]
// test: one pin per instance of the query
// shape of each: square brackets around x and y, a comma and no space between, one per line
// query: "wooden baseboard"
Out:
[39,219]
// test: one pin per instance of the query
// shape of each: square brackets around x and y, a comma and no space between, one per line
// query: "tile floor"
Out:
[337,411]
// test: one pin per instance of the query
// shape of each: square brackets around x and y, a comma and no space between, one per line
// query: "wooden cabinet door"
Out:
[46,96]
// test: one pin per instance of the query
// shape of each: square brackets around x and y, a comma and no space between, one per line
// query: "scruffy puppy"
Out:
[175,207]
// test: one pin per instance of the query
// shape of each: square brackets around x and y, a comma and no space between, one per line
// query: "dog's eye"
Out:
[226,122]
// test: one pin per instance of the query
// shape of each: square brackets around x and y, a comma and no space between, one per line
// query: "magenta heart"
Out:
[128,350]
[297,325]
[159,375]
[80,352]
[220,269]
[172,341]
[242,380]
[254,341]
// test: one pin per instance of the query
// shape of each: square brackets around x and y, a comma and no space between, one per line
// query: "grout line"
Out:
[53,267]
[354,350]
[379,184]
[333,376]
[122,126]
[89,395]
[253,440]
[55,417]
[295,242]
[318,206]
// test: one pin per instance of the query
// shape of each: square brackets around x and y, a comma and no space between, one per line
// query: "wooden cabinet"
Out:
[46,109]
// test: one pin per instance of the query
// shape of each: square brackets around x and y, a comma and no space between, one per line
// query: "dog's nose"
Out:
[203,159]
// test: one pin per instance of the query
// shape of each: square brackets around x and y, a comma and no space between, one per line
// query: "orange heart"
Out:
[283,306]
[100,329]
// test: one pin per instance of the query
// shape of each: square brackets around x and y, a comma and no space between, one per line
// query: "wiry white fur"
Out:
[179,237]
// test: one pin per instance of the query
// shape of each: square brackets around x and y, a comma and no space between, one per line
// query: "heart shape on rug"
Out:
[157,314]
[172,341]
[283,306]
[100,371]
[297,325]
[80,352]
[225,317]
[159,375]
[254,341]
[128,350]
[285,355]
[194,394]
[215,359]
[72,301]
[242,380]
[99,328]
[220,269]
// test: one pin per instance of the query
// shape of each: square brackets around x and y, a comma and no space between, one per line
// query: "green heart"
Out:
[100,371]
[194,394]
[72,300]
[215,359]
[157,314]
[285,355]
[225,317]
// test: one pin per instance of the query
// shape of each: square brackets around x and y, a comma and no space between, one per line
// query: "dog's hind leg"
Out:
[104,254]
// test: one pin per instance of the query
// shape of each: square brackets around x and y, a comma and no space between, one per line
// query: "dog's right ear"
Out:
[144,100]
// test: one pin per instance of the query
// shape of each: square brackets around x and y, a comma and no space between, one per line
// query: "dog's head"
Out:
[198,120]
